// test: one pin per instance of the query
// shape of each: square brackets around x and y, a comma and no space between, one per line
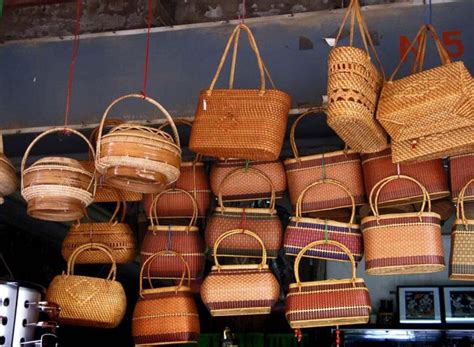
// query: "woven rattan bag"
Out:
[56,188]
[168,315]
[88,301]
[302,171]
[354,85]
[461,170]
[402,243]
[461,260]
[135,157]
[301,231]
[114,234]
[8,181]
[236,290]
[184,239]
[329,302]
[426,112]
[262,221]
[430,174]
[240,123]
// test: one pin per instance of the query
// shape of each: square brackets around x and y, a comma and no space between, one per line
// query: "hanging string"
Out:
[169,246]
[75,49]
[147,52]
[429,13]
[244,12]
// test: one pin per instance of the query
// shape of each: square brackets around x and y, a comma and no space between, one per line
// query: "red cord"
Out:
[243,221]
[147,53]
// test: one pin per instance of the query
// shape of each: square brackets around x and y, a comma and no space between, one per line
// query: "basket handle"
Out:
[236,232]
[154,215]
[181,121]
[1,143]
[294,148]
[95,132]
[141,97]
[247,170]
[120,203]
[461,211]
[50,131]
[147,263]
[319,243]
[96,246]
[299,212]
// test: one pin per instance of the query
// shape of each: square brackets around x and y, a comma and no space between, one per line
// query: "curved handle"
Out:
[50,131]
[319,243]
[247,170]
[242,232]
[120,202]
[96,246]
[294,148]
[95,131]
[141,97]
[176,122]
[154,214]
[148,261]
[461,211]
[321,182]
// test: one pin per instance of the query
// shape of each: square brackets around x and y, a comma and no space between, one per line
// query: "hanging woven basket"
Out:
[8,181]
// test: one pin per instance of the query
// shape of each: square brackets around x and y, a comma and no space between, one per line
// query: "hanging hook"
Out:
[429,12]
[242,12]
[247,164]
[323,167]
[398,170]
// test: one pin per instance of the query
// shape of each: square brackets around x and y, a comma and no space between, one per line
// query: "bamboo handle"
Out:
[460,210]
[294,148]
[154,214]
[96,246]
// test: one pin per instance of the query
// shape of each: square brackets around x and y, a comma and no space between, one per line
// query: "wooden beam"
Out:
[11,3]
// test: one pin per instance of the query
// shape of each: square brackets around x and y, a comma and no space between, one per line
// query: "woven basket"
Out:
[165,316]
[116,235]
[402,243]
[8,181]
[88,301]
[240,123]
[138,158]
[354,85]
[329,302]
[243,186]
[185,240]
[461,260]
[237,290]
[301,231]
[461,170]
[56,188]
[430,174]
[437,102]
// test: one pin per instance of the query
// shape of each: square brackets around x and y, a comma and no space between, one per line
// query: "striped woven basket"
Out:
[402,243]
[244,186]
[430,174]
[329,302]
[343,166]
[7,174]
[236,290]
[461,170]
[165,316]
[302,231]
[461,260]
[185,240]
[262,221]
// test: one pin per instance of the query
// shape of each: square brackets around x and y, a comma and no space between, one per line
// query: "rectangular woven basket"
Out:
[461,170]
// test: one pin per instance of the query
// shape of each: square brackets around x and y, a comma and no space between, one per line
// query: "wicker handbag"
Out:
[244,186]
[262,221]
[461,260]
[354,85]
[88,301]
[461,170]
[302,231]
[116,235]
[8,181]
[426,112]
[138,158]
[430,174]
[165,316]
[56,188]
[341,166]
[236,290]
[184,239]
[402,243]
[240,123]
[329,302]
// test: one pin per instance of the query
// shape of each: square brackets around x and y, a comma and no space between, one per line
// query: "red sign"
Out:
[451,40]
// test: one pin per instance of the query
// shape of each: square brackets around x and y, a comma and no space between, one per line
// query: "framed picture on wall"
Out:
[419,305]
[459,304]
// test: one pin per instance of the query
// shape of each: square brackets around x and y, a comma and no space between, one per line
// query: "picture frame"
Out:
[419,305]
[458,304]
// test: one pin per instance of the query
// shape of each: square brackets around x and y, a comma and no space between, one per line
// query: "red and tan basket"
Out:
[430,174]
[329,302]
[301,231]
[262,221]
[236,290]
[461,170]
[184,239]
[402,243]
[165,316]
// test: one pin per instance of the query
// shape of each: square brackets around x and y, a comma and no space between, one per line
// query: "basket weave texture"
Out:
[461,170]
[8,179]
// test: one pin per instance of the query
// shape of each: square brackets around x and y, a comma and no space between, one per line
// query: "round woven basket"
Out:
[56,188]
[7,176]
[138,158]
